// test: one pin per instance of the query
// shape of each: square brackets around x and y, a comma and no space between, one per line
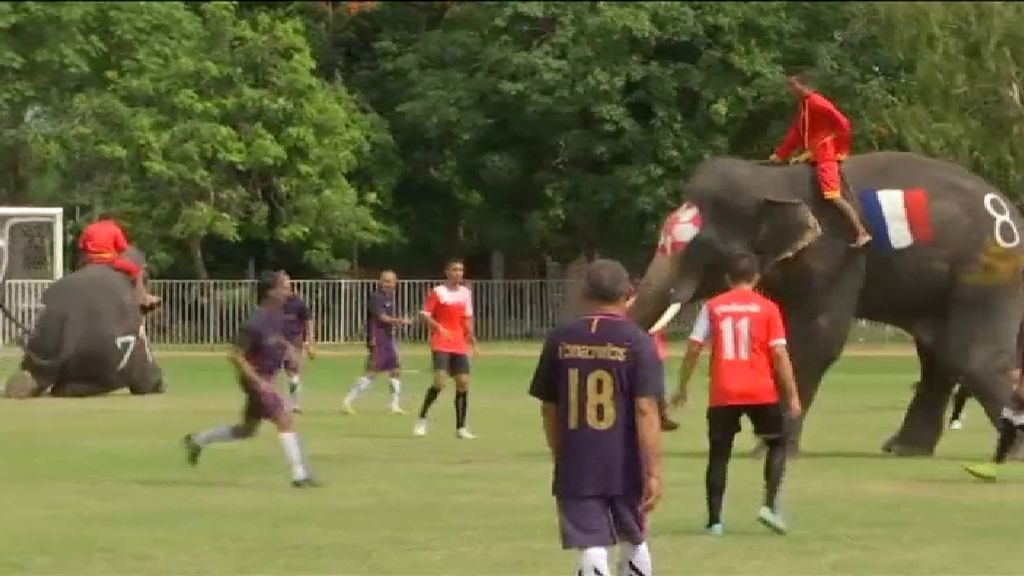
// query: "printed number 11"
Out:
[735,338]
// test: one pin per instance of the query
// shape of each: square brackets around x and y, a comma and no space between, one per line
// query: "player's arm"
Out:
[649,390]
[791,141]
[427,314]
[544,387]
[237,357]
[698,336]
[784,378]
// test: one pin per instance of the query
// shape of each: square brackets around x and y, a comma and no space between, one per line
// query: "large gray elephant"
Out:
[90,339]
[945,265]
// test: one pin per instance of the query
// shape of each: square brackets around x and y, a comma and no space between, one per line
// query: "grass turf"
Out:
[100,486]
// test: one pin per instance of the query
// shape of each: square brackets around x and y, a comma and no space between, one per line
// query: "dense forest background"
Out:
[336,138]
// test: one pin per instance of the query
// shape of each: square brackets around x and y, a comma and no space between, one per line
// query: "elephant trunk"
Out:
[652,297]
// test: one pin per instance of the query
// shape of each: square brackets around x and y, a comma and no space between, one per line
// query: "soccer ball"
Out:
[681,227]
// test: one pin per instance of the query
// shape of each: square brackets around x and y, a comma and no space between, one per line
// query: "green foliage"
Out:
[292,135]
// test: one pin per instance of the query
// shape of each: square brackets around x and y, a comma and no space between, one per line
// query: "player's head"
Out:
[272,287]
[606,284]
[799,84]
[388,281]
[743,269]
[454,270]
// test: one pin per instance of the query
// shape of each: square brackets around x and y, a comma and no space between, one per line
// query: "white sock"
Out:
[636,560]
[290,443]
[219,434]
[362,384]
[396,392]
[594,562]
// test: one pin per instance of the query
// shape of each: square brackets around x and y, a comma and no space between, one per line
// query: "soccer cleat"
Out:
[464,434]
[420,429]
[771,520]
[346,407]
[986,471]
[305,483]
[396,411]
[668,424]
[296,410]
[193,449]
[715,530]
[956,425]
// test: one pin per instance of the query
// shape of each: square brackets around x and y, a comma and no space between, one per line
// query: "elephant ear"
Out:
[786,227]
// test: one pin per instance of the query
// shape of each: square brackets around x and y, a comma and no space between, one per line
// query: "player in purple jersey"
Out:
[600,380]
[257,355]
[299,334]
[382,356]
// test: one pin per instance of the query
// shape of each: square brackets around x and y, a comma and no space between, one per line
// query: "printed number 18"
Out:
[735,334]
[600,400]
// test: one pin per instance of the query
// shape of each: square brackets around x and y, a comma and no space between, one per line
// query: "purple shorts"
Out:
[601,521]
[382,358]
[263,404]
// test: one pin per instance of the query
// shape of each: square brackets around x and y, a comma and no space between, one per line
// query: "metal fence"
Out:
[210,312]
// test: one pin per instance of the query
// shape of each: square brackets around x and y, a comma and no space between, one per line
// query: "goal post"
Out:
[31,258]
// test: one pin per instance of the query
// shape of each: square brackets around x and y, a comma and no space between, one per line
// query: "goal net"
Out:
[31,258]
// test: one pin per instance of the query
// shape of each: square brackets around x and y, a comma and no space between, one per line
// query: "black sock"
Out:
[715,477]
[959,401]
[461,407]
[428,400]
[1007,436]
[774,468]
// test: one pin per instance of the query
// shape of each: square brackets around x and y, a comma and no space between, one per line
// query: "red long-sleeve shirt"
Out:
[103,238]
[817,120]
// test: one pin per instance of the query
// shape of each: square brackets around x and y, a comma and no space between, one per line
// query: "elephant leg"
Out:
[923,421]
[981,345]
[815,340]
[66,389]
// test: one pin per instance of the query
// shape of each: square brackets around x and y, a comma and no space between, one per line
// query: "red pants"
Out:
[827,166]
[123,265]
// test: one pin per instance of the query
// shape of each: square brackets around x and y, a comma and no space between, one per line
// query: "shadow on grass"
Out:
[812,455]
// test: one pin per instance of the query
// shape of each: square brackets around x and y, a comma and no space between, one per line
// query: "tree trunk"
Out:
[19,178]
[195,247]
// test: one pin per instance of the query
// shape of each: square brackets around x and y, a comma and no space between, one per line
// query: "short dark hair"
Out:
[742,267]
[266,282]
[606,282]
[453,261]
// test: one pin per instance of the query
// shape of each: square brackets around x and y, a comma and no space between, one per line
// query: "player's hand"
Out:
[795,409]
[679,399]
[405,321]
[652,494]
[476,350]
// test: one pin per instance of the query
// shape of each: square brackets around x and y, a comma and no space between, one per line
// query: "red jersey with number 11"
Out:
[743,327]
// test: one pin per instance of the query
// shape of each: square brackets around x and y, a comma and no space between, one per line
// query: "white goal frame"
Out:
[12,215]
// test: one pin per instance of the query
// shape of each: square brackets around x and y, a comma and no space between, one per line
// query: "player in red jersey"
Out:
[104,242]
[449,312]
[748,341]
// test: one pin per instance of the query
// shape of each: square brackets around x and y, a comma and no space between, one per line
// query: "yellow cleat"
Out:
[986,471]
[346,408]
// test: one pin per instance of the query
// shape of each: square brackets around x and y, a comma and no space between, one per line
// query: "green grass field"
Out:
[100,486]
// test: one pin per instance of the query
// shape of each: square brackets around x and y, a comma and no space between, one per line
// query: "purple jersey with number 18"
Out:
[594,369]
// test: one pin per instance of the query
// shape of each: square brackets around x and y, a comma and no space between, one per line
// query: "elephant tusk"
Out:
[666,317]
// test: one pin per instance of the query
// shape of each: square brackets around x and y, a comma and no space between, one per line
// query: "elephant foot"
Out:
[20,385]
[895,447]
